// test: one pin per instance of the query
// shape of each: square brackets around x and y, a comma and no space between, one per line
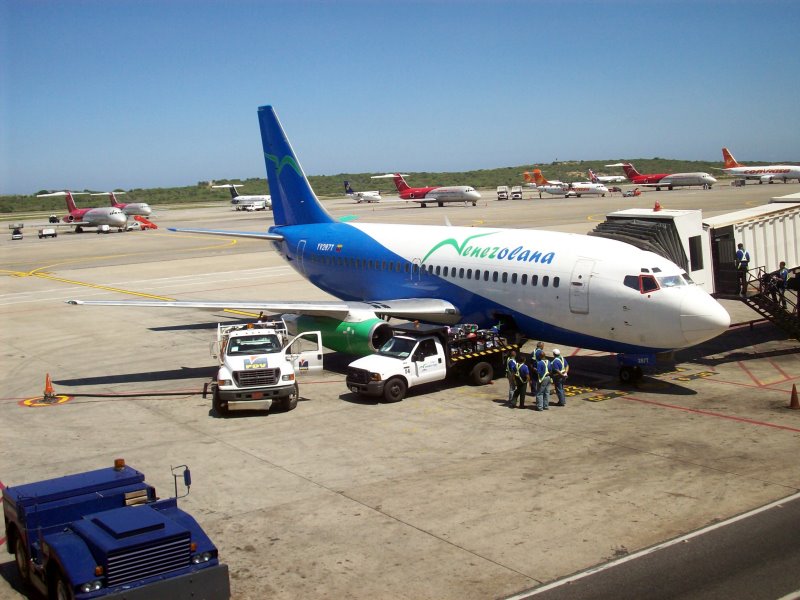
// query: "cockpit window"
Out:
[632,281]
[671,281]
[648,283]
[645,270]
[687,279]
[656,270]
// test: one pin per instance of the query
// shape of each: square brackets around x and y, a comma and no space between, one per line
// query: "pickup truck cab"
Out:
[418,354]
[259,365]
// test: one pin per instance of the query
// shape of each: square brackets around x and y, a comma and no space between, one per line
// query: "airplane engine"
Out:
[360,337]
[69,218]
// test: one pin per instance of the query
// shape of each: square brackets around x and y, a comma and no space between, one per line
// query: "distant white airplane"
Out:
[594,178]
[429,195]
[242,202]
[131,209]
[576,189]
[372,196]
[578,290]
[763,173]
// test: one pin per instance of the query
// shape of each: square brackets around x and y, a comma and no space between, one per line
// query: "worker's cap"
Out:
[556,351]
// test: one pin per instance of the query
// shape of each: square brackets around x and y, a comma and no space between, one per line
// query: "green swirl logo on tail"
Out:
[280,163]
[451,242]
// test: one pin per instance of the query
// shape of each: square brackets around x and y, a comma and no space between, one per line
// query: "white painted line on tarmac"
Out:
[652,549]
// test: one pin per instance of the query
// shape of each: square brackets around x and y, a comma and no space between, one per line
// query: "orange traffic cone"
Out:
[657,206]
[793,403]
[49,393]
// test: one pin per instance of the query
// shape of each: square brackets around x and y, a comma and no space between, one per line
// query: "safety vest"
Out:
[546,369]
[743,256]
[511,366]
[520,364]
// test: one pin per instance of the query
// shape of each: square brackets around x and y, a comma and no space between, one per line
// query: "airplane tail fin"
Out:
[630,172]
[293,200]
[347,188]
[528,177]
[400,183]
[730,162]
[539,178]
[592,176]
[70,202]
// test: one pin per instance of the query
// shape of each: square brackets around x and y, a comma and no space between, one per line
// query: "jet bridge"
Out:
[706,248]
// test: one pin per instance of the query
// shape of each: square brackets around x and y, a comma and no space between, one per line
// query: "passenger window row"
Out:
[439,271]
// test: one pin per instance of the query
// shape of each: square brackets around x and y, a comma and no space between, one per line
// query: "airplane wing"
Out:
[426,309]
[275,237]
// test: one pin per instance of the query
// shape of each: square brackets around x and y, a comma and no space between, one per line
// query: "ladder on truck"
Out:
[764,297]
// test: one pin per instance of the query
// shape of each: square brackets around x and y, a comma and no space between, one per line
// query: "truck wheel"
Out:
[481,373]
[290,402]
[394,390]
[21,557]
[62,589]
[626,374]
[216,402]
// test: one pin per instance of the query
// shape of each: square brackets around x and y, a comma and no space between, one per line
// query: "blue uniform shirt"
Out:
[523,372]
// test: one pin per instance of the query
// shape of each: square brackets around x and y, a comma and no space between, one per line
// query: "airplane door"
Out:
[579,286]
[301,247]
[305,353]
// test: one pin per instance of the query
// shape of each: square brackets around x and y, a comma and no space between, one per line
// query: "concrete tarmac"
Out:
[448,494]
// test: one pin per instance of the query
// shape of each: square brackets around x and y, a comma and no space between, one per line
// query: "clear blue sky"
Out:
[137,93]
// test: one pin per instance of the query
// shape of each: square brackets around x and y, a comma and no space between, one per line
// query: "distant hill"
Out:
[331,185]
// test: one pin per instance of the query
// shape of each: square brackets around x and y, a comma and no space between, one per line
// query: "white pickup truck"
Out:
[418,354]
[259,365]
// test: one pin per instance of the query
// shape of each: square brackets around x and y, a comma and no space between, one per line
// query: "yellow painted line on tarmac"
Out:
[102,287]
[41,273]
[595,218]
[217,246]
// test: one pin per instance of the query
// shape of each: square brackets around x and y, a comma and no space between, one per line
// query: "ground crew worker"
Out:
[543,389]
[783,283]
[558,371]
[511,374]
[538,353]
[742,263]
[522,375]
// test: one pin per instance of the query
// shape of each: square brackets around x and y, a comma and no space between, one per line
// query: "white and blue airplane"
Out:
[578,290]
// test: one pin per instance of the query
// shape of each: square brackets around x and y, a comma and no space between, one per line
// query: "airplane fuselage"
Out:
[682,180]
[93,217]
[586,292]
[584,188]
[134,209]
[453,193]
[767,172]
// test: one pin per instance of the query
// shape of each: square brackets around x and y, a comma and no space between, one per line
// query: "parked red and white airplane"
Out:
[437,194]
[242,202]
[667,180]
[131,209]
[594,178]
[768,173]
[559,188]
[89,217]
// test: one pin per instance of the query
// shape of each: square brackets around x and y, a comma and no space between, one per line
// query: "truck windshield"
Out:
[254,344]
[397,347]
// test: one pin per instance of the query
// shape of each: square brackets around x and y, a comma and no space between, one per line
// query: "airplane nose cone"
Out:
[118,220]
[702,318]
